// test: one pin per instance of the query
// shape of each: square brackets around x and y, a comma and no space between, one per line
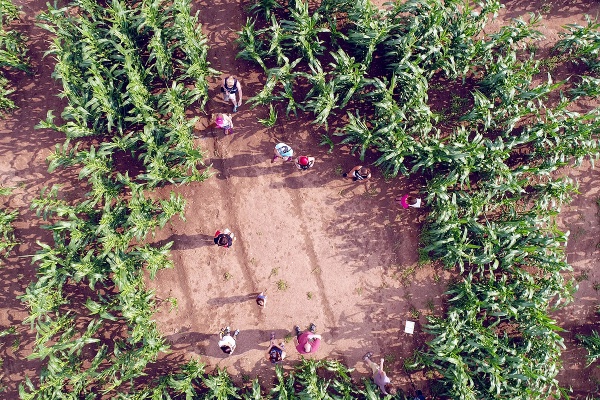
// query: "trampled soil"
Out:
[326,250]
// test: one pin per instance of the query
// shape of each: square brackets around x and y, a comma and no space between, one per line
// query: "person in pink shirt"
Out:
[308,341]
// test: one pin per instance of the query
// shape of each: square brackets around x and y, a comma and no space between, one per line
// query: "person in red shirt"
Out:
[308,341]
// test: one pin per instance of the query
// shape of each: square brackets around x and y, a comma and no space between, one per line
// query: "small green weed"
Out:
[414,312]
[282,285]
[16,343]
[583,276]
[227,276]
[430,305]
[274,272]
[596,286]
[339,171]
[309,295]
[173,303]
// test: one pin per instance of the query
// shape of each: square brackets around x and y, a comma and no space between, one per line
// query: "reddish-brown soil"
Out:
[326,250]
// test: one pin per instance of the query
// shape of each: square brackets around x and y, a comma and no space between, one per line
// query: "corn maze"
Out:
[131,71]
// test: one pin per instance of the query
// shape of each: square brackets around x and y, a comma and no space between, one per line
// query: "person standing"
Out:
[308,341]
[261,300]
[232,91]
[225,122]
[304,162]
[358,173]
[379,375]
[276,352]
[409,201]
[224,239]
[283,151]
[226,341]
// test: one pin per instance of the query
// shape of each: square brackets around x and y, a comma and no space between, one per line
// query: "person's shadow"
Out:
[184,242]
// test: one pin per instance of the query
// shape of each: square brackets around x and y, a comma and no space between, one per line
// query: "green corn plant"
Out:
[582,42]
[220,387]
[348,76]
[271,121]
[592,345]
[251,49]
[302,30]
[321,99]
[283,389]
[7,218]
[266,7]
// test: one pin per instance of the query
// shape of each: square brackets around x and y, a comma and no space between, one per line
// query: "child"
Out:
[224,239]
[304,162]
[261,299]
[409,201]
[225,122]
[276,352]
[283,151]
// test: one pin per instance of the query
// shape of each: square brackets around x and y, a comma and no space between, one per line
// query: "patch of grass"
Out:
[596,286]
[532,48]
[246,378]
[546,8]
[414,312]
[309,295]
[583,276]
[274,272]
[389,358]
[16,343]
[282,285]
[371,192]
[288,338]
[437,277]
[430,305]
[339,170]
[550,63]
[173,303]
[9,331]
[406,274]
[359,290]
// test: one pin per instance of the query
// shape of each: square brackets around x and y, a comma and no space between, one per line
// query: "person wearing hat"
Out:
[283,151]
[304,162]
[224,239]
[308,341]
[358,173]
[276,352]
[232,90]
[224,122]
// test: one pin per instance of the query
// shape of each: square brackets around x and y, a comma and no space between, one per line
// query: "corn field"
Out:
[13,52]
[130,70]
[492,198]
